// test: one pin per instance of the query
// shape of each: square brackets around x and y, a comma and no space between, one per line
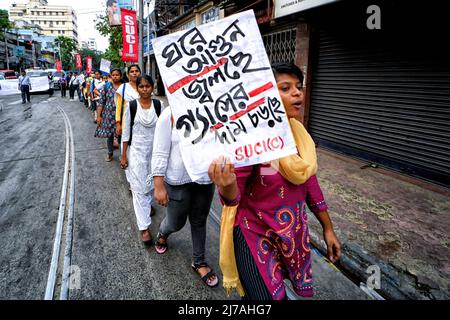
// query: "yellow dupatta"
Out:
[297,169]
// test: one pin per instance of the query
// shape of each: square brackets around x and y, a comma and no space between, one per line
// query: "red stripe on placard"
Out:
[261,89]
[240,113]
[249,108]
[217,126]
[188,79]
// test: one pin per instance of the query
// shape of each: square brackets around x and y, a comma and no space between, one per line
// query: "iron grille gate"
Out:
[280,45]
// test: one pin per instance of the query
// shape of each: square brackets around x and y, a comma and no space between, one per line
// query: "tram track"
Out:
[58,281]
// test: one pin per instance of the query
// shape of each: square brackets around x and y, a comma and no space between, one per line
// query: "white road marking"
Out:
[15,102]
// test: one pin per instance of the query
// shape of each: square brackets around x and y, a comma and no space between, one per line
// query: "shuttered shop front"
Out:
[383,96]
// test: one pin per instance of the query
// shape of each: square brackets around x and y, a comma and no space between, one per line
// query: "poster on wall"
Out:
[223,95]
[113,10]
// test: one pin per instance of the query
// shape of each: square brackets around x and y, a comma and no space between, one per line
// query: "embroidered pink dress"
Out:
[272,217]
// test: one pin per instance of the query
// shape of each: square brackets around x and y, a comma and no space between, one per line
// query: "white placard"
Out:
[105,65]
[10,87]
[223,95]
[39,84]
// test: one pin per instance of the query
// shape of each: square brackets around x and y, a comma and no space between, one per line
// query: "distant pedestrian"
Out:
[72,86]
[63,85]
[106,112]
[25,87]
[51,84]
[137,146]
[79,88]
[87,101]
[95,87]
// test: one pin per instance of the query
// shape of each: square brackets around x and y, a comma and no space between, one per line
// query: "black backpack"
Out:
[133,108]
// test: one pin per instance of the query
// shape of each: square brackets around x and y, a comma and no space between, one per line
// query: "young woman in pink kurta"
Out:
[271,238]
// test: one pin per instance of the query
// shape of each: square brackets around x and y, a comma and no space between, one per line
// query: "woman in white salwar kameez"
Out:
[136,158]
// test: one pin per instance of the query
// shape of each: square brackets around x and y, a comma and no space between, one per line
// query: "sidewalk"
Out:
[390,220]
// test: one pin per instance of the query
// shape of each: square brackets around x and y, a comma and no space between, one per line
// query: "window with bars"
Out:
[280,45]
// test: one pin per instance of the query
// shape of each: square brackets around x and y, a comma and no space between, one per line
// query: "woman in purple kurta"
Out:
[271,237]
[276,229]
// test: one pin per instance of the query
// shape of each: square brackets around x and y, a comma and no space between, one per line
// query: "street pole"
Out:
[6,52]
[141,29]
[148,37]
[33,55]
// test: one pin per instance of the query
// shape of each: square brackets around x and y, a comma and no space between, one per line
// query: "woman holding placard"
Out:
[183,198]
[264,231]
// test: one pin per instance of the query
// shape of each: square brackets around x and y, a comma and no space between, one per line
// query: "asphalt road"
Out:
[112,262]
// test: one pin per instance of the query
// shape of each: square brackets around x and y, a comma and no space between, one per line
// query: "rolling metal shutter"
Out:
[383,102]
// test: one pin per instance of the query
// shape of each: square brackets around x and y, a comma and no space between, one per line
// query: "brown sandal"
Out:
[147,240]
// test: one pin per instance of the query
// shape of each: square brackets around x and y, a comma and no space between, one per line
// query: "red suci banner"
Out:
[58,66]
[129,35]
[88,64]
[78,62]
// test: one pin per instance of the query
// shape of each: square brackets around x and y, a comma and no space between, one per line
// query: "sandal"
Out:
[147,240]
[161,247]
[108,158]
[207,276]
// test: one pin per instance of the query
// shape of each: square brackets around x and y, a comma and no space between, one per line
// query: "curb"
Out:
[395,284]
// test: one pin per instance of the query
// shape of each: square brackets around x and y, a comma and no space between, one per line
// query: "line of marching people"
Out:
[264,233]
[151,159]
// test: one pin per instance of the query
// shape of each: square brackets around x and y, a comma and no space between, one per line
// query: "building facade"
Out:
[54,20]
[21,50]
[377,81]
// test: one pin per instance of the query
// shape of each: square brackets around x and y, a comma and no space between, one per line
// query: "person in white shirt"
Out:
[183,197]
[80,79]
[25,87]
[137,146]
[51,84]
